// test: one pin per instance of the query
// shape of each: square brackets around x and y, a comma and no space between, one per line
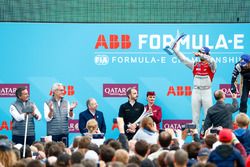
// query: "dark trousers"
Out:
[62,137]
[244,96]
[20,139]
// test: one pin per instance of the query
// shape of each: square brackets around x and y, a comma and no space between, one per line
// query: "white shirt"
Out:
[93,113]
[20,117]
[148,136]
[47,110]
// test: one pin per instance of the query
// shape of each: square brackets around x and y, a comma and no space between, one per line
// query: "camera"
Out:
[188,126]
[35,154]
[215,131]
[98,136]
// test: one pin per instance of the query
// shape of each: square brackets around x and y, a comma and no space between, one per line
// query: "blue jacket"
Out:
[243,135]
[226,156]
[86,115]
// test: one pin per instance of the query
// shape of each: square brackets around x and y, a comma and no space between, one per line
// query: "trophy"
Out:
[168,48]
[143,115]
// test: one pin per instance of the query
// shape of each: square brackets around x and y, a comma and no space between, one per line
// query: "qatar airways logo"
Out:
[9,90]
[226,88]
[117,90]
[73,125]
[174,124]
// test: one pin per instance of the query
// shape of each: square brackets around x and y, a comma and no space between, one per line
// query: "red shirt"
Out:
[203,69]
[157,114]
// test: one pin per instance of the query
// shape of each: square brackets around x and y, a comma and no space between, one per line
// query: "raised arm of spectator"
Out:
[195,135]
[122,137]
[235,105]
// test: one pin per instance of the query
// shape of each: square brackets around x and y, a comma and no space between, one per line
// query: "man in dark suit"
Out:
[220,114]
[91,113]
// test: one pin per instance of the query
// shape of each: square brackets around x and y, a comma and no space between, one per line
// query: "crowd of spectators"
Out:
[226,147]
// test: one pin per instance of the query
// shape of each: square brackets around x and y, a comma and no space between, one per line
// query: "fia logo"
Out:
[101,60]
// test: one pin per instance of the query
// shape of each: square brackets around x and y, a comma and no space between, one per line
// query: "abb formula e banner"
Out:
[103,60]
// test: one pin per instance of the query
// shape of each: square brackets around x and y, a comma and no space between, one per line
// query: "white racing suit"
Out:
[203,72]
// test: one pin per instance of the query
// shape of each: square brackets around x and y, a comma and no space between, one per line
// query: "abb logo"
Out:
[114,42]
[4,126]
[180,91]
[69,90]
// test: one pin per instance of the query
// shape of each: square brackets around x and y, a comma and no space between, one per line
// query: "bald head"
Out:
[219,95]
[164,139]
[180,158]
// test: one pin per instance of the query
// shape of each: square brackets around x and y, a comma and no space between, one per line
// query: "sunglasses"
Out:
[201,52]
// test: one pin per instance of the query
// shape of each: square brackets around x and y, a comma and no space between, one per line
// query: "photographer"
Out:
[226,154]
[21,110]
[235,142]
[190,129]
[220,114]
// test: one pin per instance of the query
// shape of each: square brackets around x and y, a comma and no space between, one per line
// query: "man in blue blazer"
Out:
[91,113]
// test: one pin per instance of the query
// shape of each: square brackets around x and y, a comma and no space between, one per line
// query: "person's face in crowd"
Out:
[25,95]
[93,105]
[151,99]
[92,127]
[59,92]
[133,95]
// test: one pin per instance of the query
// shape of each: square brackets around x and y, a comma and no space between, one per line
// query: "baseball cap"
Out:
[245,57]
[204,152]
[225,135]
[205,50]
